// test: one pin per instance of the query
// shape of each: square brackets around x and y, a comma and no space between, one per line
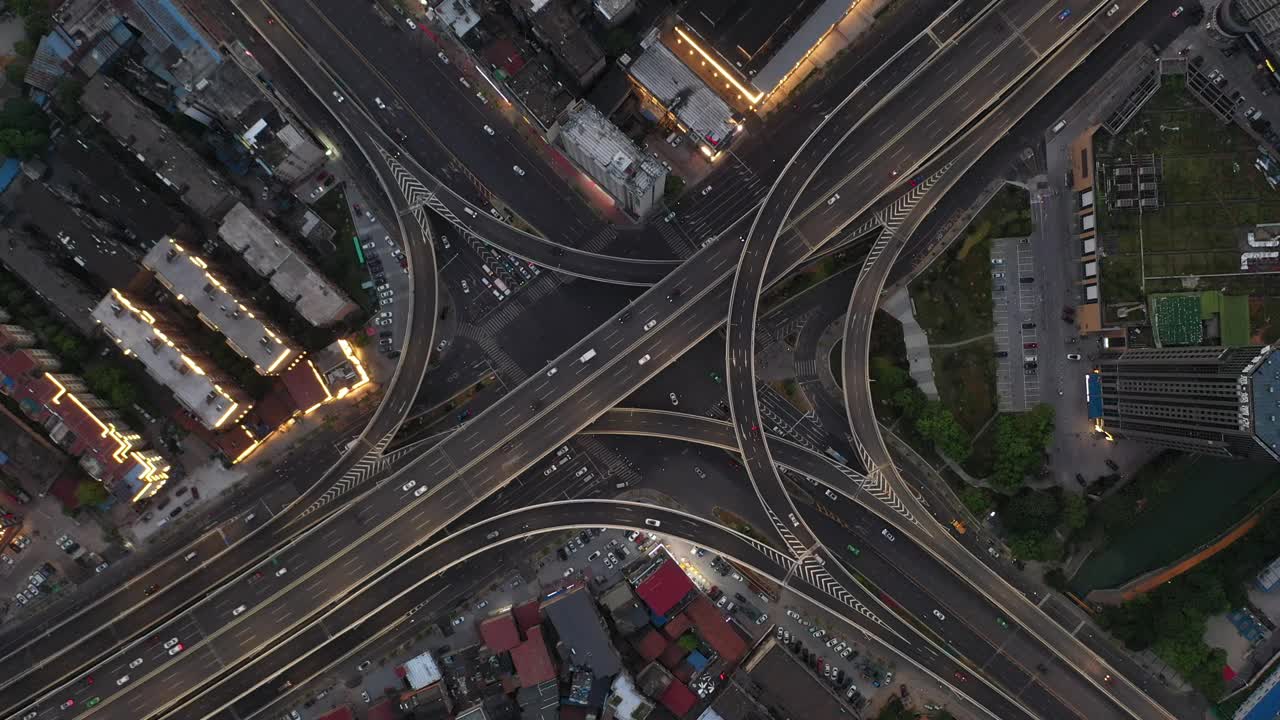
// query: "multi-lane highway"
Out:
[539,414]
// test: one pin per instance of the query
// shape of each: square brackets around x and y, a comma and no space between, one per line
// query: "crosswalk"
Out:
[502,362]
[794,546]
[615,466]
[806,370]
[600,240]
[678,243]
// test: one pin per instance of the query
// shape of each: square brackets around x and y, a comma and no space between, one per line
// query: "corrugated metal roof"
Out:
[680,90]
[799,44]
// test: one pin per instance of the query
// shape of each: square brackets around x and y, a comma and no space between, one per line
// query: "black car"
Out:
[739,597]
[1080,480]
[1112,464]
[1001,353]
[1030,365]
[1028,325]
[674,295]
[624,317]
[1026,280]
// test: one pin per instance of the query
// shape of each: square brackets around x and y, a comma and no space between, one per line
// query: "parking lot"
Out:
[1017,311]
[483,277]
[389,283]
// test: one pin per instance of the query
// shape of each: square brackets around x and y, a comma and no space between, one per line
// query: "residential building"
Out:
[553,24]
[1221,401]
[316,299]
[220,307]
[672,91]
[772,682]
[208,395]
[636,181]
[157,147]
[582,637]
[84,426]
[613,13]
[66,294]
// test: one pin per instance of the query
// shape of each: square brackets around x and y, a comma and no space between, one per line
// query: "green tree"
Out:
[15,72]
[25,49]
[66,98]
[1032,511]
[1075,513]
[1020,441]
[939,426]
[90,492]
[673,186]
[910,401]
[978,500]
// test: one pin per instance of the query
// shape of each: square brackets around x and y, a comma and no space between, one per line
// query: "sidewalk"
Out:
[919,358]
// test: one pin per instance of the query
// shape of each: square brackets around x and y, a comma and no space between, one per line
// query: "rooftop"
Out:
[788,684]
[137,128]
[290,274]
[665,588]
[720,635]
[31,261]
[533,660]
[582,634]
[422,671]
[609,148]
[245,328]
[1264,396]
[569,41]
[188,377]
[681,91]
[500,633]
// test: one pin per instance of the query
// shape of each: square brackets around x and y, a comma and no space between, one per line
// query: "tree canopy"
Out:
[1020,443]
[939,426]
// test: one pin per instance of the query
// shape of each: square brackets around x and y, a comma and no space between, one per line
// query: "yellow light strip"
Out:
[752,98]
[283,354]
[226,415]
[249,449]
[315,371]
[123,444]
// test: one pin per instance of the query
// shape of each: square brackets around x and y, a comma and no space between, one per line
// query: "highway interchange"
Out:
[687,304]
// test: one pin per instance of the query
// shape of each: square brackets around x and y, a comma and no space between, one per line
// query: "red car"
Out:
[1030,346]
[961,677]
[1177,12]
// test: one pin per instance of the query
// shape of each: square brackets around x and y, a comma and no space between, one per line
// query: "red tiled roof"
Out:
[532,660]
[17,365]
[679,699]
[720,635]
[677,626]
[304,385]
[385,710]
[342,713]
[651,645]
[274,408]
[500,633]
[672,656]
[527,615]
[502,53]
[665,588]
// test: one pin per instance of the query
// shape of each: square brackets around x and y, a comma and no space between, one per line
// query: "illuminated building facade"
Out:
[1221,401]
[220,307]
[78,421]
[195,382]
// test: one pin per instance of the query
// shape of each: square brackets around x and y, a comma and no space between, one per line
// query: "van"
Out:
[586,356]
[469,211]
[190,556]
[1057,127]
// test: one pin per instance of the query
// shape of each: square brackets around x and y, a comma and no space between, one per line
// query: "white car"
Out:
[832,200]
[1073,356]
[644,359]
[170,643]
[488,129]
[443,58]
[938,614]
[338,96]
[674,400]
[652,523]
[650,325]
[460,619]
[552,372]
[381,105]
[419,491]
[176,649]
[887,535]
[136,662]
[282,571]
[517,170]
[706,190]
[384,322]
[237,611]
[122,680]
[408,486]
[466,289]
[568,572]
[548,471]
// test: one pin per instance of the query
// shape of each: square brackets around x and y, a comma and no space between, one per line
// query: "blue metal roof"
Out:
[1263,705]
[1264,391]
[1093,394]
[9,170]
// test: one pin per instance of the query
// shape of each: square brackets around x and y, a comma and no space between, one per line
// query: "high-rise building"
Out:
[1221,401]
[606,154]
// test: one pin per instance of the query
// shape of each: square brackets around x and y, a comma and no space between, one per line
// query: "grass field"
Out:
[1211,191]
[966,379]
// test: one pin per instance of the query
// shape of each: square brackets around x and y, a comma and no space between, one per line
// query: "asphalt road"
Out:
[51,654]
[263,681]
[909,110]
[864,427]
[520,422]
